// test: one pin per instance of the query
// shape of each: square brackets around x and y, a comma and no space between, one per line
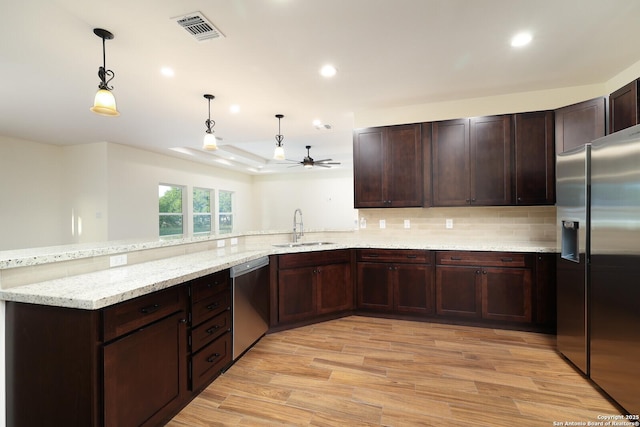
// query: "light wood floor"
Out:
[360,371]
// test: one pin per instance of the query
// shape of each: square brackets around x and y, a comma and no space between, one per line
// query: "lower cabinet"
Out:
[313,283]
[496,286]
[395,280]
[136,363]
[144,373]
[211,327]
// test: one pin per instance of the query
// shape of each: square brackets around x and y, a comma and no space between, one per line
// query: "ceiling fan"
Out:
[308,161]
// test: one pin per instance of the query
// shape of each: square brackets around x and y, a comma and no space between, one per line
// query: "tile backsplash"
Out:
[500,223]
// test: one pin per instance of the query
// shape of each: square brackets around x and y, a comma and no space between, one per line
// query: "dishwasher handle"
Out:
[249,266]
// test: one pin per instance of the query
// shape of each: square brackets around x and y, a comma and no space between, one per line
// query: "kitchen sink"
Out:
[299,244]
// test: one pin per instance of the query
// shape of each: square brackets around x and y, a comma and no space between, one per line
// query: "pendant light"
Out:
[278,154]
[209,138]
[104,102]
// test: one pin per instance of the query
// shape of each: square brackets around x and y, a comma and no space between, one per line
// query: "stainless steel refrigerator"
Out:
[573,213]
[599,317]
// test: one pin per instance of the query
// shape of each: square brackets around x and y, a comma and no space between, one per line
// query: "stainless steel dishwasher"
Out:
[250,287]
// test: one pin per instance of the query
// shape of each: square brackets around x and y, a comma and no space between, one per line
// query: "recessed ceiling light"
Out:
[167,72]
[521,39]
[328,70]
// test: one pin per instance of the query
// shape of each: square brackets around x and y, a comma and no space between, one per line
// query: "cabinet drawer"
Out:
[209,285]
[410,256]
[210,330]
[484,259]
[209,307]
[207,363]
[308,259]
[130,315]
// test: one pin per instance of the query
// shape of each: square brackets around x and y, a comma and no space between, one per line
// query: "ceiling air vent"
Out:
[198,26]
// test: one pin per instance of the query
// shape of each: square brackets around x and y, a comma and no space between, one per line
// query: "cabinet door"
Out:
[368,168]
[534,158]
[374,286]
[450,146]
[490,160]
[403,166]
[579,123]
[145,372]
[296,294]
[413,288]
[623,107]
[506,294]
[458,291]
[334,287]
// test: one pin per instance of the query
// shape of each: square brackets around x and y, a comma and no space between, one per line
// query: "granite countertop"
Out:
[103,288]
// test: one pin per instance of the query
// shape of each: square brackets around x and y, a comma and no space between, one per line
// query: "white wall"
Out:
[324,196]
[30,194]
[85,184]
[133,178]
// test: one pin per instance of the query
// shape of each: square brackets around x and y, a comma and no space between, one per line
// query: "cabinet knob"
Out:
[477,271]
[484,272]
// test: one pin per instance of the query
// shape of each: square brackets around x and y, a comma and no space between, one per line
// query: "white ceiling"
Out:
[388,53]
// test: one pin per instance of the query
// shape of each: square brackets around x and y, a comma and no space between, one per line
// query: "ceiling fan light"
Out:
[104,103]
[210,143]
[308,165]
[278,153]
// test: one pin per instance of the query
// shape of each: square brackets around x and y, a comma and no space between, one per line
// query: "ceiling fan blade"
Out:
[323,160]
[330,163]
[322,165]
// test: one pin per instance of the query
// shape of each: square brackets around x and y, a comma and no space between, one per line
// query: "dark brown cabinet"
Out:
[388,166]
[313,283]
[624,107]
[471,161]
[396,280]
[580,123]
[495,286]
[534,158]
[211,328]
[122,365]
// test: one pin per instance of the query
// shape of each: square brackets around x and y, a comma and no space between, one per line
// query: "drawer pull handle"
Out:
[412,256]
[210,359]
[213,306]
[150,309]
[506,259]
[213,329]
[456,258]
[372,255]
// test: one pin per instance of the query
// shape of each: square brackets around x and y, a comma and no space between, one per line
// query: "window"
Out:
[170,210]
[225,211]
[202,210]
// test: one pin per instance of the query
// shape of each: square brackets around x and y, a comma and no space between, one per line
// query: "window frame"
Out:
[210,214]
[181,214]
[220,214]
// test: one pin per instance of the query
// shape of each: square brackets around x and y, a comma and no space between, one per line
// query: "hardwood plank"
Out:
[359,371]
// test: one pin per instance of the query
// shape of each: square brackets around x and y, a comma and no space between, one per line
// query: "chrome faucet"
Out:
[297,233]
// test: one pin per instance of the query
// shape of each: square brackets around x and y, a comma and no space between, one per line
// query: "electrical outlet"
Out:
[448,223]
[383,223]
[234,241]
[407,223]
[220,243]
[118,260]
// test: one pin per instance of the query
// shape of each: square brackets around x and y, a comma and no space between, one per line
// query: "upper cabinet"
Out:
[388,166]
[623,107]
[534,156]
[471,162]
[580,123]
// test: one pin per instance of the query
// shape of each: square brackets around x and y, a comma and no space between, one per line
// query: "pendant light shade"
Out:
[209,137]
[278,154]
[104,102]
